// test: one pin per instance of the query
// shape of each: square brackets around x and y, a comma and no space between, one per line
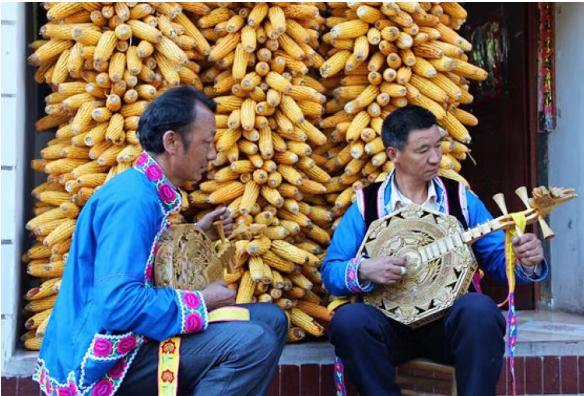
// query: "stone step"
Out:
[549,360]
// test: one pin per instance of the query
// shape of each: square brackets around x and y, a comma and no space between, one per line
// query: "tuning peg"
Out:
[545,228]
[522,194]
[500,201]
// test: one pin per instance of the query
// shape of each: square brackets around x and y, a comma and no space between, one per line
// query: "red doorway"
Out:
[504,42]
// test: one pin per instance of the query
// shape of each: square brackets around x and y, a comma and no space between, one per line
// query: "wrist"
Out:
[361,274]
[353,279]
[527,268]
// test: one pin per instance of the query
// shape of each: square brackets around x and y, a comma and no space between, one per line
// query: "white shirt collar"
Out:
[397,200]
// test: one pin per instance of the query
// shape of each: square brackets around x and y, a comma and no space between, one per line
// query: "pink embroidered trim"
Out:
[113,347]
[352,277]
[103,387]
[149,269]
[339,369]
[193,311]
[50,386]
[166,191]
[171,201]
[106,386]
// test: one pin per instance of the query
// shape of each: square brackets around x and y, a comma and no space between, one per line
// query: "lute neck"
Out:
[500,223]
[445,245]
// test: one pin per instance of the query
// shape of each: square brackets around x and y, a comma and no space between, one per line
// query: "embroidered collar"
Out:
[167,192]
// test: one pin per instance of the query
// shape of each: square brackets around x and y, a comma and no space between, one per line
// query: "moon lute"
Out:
[440,262]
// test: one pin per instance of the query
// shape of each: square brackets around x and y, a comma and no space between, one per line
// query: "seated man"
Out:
[471,335]
[103,332]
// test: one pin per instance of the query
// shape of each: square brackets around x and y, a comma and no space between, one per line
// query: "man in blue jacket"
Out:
[103,334]
[471,335]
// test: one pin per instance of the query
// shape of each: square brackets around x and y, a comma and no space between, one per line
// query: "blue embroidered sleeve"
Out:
[352,277]
[124,232]
[490,250]
[341,268]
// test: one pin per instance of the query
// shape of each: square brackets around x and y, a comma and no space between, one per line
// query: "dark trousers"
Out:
[229,358]
[470,337]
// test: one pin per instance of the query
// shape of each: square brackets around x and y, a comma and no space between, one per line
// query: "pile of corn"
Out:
[292,147]
[267,109]
[382,56]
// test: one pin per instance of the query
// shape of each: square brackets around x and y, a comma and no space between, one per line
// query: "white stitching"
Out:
[361,202]
[463,202]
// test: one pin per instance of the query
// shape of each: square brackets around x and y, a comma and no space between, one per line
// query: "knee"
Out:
[274,317]
[476,305]
[269,345]
[280,321]
[258,343]
[480,312]
[352,319]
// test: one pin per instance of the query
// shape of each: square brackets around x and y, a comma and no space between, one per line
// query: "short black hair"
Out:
[397,126]
[173,110]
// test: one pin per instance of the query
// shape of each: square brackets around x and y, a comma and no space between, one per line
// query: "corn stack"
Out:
[301,99]
[268,107]
[105,62]
[380,57]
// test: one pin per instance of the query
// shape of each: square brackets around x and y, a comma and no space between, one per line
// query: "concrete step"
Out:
[549,360]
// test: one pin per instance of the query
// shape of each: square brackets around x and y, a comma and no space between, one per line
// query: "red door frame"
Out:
[532,100]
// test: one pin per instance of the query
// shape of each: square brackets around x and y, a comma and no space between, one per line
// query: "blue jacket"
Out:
[340,268]
[107,306]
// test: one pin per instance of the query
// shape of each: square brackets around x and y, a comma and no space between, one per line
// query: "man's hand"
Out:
[382,270]
[220,214]
[218,295]
[528,249]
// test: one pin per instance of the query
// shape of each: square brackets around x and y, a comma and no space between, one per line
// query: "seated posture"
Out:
[104,332]
[471,335]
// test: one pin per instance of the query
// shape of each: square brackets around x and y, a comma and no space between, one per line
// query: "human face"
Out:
[420,158]
[192,161]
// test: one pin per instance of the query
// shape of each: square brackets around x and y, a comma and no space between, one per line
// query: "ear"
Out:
[392,154]
[171,142]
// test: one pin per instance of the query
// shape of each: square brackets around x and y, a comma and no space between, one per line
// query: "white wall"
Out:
[13,169]
[566,160]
